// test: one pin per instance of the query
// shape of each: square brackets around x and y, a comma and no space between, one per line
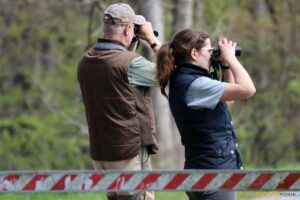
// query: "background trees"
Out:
[42,122]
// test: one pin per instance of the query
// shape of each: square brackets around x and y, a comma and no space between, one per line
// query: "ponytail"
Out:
[165,66]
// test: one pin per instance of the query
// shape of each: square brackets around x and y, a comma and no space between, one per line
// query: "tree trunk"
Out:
[171,151]
[183,12]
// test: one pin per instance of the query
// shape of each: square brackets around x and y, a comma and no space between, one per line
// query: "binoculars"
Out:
[216,52]
[135,43]
[136,30]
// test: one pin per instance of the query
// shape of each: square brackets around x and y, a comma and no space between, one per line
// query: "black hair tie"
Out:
[172,44]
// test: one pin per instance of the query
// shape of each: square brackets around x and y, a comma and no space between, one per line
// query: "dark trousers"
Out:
[209,195]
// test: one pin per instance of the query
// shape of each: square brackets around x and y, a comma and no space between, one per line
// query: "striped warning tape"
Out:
[187,180]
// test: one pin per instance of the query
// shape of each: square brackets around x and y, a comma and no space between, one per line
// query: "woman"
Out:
[198,103]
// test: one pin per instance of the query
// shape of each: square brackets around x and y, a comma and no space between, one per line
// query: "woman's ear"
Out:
[194,54]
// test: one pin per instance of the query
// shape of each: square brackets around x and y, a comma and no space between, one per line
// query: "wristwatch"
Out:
[225,67]
[156,43]
[153,45]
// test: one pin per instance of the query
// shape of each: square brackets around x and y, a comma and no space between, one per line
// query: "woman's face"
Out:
[202,56]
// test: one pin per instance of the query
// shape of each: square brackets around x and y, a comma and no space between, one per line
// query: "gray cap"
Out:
[121,13]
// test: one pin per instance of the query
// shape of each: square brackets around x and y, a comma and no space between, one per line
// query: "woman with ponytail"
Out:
[198,102]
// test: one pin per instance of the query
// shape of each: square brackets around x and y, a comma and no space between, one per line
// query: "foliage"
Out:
[42,120]
[266,124]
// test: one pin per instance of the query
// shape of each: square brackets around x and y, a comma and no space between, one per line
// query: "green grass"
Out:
[246,195]
[101,196]
[83,196]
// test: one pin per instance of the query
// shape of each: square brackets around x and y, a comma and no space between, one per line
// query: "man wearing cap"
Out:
[115,85]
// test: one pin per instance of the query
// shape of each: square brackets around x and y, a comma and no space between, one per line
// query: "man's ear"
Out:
[194,54]
[126,30]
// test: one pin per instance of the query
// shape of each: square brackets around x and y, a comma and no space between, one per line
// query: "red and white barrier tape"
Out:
[187,180]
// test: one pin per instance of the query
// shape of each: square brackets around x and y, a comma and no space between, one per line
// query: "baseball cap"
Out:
[121,13]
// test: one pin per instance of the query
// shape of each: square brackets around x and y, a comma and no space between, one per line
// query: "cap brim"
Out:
[140,20]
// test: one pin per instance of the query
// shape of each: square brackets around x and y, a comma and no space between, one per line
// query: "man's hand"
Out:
[146,33]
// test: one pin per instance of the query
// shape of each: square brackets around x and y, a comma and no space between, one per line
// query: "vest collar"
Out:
[106,44]
[193,69]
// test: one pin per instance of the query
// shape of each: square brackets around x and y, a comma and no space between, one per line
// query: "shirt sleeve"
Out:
[141,72]
[204,93]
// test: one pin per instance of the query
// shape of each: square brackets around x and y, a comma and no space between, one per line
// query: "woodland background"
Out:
[42,119]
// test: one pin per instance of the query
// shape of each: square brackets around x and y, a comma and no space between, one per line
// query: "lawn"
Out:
[101,196]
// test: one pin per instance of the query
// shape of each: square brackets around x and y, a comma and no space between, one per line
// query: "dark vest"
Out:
[208,135]
[119,116]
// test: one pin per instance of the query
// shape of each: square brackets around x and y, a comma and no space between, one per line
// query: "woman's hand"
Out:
[227,49]
[242,87]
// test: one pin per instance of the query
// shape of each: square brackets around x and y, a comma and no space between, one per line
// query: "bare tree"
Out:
[183,12]
[171,151]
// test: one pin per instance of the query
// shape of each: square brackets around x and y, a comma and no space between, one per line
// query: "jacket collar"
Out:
[107,44]
[193,69]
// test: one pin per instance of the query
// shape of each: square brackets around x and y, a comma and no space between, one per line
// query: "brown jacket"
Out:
[119,116]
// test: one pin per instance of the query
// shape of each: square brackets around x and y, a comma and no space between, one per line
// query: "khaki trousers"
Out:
[139,162]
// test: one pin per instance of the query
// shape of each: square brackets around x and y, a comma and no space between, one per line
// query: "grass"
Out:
[101,196]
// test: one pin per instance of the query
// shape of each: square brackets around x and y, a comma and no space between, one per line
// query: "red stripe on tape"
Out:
[204,181]
[289,181]
[31,185]
[147,181]
[63,182]
[176,181]
[12,178]
[120,181]
[233,180]
[95,178]
[8,181]
[260,180]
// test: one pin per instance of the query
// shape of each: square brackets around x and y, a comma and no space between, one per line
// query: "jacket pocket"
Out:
[227,155]
[226,150]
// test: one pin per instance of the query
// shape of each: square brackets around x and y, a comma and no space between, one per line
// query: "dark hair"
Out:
[175,52]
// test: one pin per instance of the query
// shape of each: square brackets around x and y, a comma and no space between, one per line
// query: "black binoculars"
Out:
[136,30]
[216,52]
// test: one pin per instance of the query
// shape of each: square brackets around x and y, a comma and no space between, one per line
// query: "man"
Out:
[115,85]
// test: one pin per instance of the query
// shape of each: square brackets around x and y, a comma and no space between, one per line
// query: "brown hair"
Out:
[175,52]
